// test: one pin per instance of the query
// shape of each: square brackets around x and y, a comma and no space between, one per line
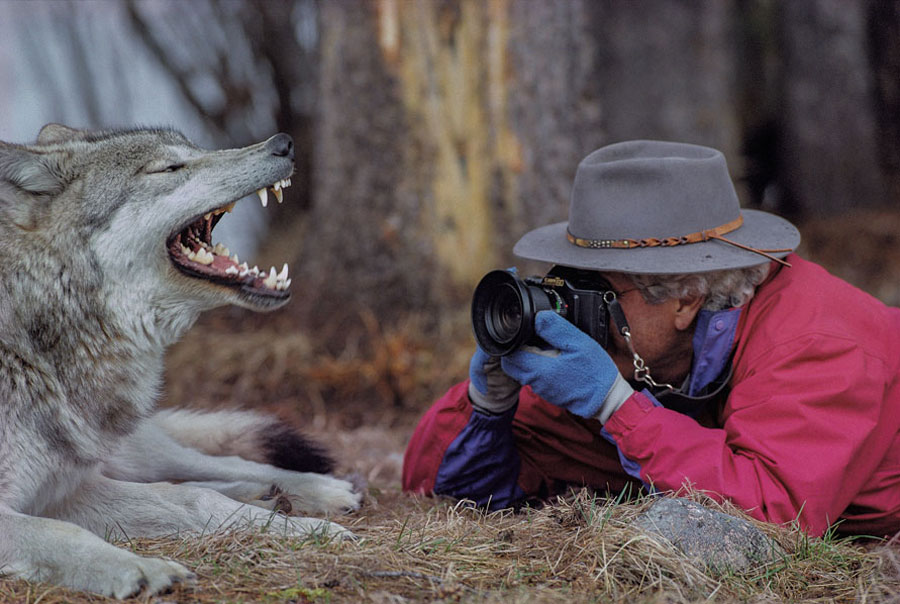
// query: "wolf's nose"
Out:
[281,145]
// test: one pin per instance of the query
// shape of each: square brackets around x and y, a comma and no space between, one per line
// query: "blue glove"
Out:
[490,389]
[577,374]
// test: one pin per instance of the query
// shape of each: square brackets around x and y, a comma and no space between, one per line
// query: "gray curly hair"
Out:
[721,289]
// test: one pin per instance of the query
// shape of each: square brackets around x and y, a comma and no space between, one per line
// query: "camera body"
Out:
[504,307]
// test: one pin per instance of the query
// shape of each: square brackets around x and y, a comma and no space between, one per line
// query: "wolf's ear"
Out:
[24,169]
[56,133]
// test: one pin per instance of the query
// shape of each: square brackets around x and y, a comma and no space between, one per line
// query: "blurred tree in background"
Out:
[432,133]
[447,129]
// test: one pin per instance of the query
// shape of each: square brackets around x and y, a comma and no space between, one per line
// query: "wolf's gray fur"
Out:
[101,268]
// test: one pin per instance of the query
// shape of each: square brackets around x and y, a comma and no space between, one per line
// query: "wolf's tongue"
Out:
[221,264]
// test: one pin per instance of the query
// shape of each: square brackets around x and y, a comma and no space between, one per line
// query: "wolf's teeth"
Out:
[221,250]
[284,272]
[287,283]
[232,270]
[254,271]
[230,206]
[207,216]
[185,250]
[270,280]
[278,194]
[263,196]
[202,257]
[244,267]
[235,259]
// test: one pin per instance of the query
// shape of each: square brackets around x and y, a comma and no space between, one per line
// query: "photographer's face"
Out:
[661,333]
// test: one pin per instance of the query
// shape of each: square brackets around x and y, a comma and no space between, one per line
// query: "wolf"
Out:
[106,258]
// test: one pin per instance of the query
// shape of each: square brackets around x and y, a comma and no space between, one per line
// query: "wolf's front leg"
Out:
[113,507]
[151,454]
[43,549]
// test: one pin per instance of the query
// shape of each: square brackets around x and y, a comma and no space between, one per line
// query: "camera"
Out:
[504,307]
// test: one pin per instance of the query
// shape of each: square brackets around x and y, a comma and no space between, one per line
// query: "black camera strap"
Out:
[677,400]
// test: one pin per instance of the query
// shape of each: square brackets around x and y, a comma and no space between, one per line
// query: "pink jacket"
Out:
[811,428]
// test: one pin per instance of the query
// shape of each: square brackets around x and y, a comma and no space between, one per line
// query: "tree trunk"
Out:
[829,155]
[445,130]
[668,70]
[884,50]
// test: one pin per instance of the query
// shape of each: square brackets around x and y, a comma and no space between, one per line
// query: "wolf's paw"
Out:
[124,576]
[309,528]
[311,494]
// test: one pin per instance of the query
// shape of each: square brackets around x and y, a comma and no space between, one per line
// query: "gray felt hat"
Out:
[658,207]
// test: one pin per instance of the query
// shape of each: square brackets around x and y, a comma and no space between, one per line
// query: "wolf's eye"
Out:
[161,168]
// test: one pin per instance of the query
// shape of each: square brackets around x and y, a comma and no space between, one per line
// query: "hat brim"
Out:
[760,230]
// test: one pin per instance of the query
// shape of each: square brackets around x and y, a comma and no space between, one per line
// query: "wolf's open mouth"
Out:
[193,253]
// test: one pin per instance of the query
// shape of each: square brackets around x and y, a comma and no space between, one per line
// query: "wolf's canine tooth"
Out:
[270,280]
[263,196]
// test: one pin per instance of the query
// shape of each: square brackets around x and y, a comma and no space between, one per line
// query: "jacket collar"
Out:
[712,343]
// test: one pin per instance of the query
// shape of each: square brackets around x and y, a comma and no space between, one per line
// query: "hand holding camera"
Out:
[568,310]
[577,374]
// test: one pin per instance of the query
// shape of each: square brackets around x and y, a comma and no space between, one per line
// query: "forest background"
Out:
[431,134]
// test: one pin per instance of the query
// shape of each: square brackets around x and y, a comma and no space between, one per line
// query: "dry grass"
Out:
[580,549]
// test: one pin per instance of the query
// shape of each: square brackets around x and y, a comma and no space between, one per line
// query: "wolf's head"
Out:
[140,206]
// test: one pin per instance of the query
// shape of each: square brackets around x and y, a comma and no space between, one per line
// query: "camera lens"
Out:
[503,309]
[504,320]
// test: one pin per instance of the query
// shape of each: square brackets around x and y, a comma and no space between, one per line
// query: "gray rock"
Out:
[714,539]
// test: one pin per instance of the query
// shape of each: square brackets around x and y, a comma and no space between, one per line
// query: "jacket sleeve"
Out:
[804,427]
[464,453]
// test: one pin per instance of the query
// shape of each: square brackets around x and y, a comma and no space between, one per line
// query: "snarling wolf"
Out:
[106,257]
